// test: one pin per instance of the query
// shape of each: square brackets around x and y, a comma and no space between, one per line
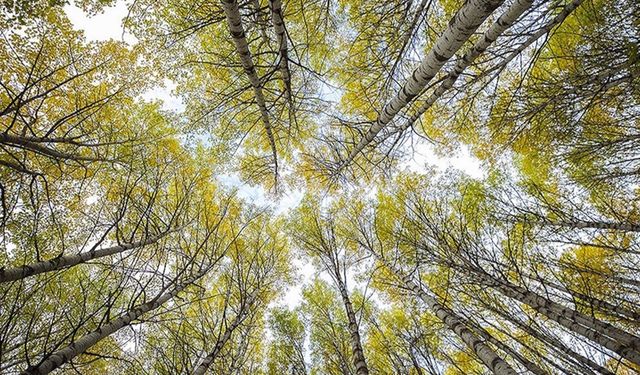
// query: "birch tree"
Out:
[466,245]
[464,23]
[322,241]
[85,342]
[234,21]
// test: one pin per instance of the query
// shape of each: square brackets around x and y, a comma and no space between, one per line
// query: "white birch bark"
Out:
[532,367]
[356,343]
[234,21]
[506,20]
[226,336]
[492,360]
[460,28]
[79,346]
[67,261]
[583,224]
[39,147]
[281,38]
[567,352]
[610,337]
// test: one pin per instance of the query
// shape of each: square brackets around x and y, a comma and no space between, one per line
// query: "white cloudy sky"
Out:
[108,25]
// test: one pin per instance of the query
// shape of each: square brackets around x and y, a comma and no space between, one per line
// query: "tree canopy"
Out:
[295,214]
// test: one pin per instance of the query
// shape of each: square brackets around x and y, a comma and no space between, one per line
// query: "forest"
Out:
[320,187]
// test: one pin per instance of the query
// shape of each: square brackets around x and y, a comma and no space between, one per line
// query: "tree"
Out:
[496,364]
[466,20]
[242,48]
[318,236]
[447,229]
[330,339]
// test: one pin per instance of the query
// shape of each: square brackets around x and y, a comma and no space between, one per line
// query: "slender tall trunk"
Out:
[610,337]
[356,343]
[67,261]
[554,343]
[226,336]
[234,21]
[456,324]
[458,31]
[505,21]
[281,37]
[40,148]
[530,366]
[79,346]
[597,303]
[558,19]
[585,224]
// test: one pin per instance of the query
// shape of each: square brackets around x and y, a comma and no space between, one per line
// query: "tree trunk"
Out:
[226,336]
[460,28]
[40,148]
[67,261]
[281,37]
[532,367]
[493,362]
[79,346]
[505,21]
[583,224]
[356,344]
[556,344]
[594,302]
[234,21]
[610,337]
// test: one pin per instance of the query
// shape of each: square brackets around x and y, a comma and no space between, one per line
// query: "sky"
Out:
[108,25]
